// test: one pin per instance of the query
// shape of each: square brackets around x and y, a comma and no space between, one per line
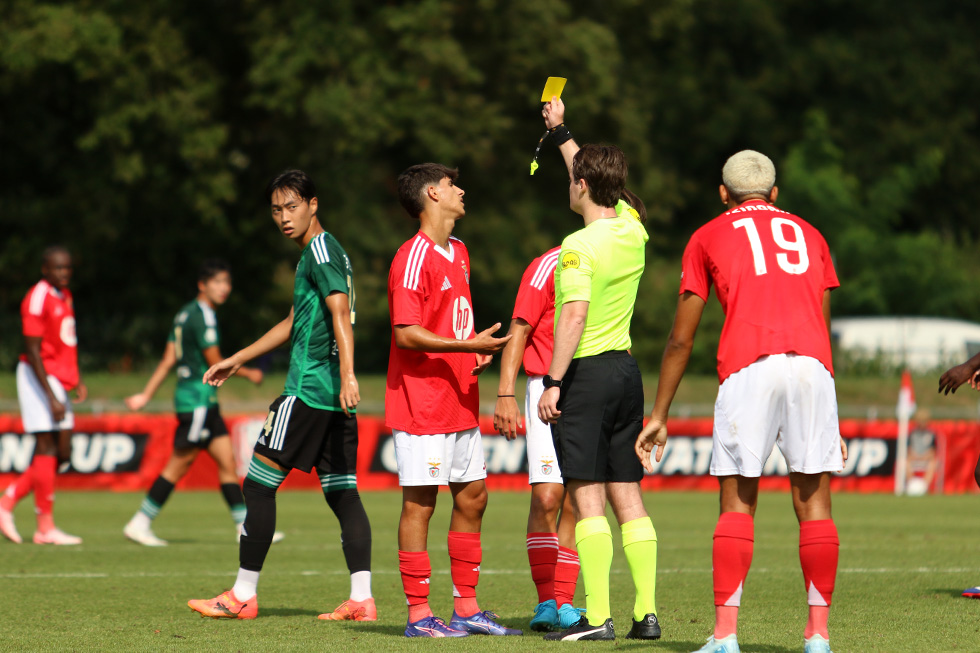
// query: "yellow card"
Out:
[553,88]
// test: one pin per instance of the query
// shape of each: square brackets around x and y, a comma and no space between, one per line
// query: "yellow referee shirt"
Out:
[601,264]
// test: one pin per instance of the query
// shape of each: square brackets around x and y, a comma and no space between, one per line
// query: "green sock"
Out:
[640,545]
[594,541]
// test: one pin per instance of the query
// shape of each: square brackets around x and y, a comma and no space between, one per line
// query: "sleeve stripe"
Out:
[38,296]
[414,268]
[208,313]
[411,255]
[320,250]
[547,267]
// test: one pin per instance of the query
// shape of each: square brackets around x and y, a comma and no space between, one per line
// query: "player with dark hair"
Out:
[192,346]
[432,400]
[772,274]
[313,424]
[46,373]
[593,392]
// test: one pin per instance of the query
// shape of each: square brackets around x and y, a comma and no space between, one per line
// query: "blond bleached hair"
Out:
[748,172]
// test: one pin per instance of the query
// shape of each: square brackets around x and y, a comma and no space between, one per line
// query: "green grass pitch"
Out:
[903,564]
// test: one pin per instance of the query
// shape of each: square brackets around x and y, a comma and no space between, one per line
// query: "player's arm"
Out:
[554,115]
[212,356]
[338,304]
[568,333]
[167,361]
[690,307]
[506,413]
[273,338]
[417,338]
[32,350]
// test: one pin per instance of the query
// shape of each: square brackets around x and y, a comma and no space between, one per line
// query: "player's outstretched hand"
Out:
[548,406]
[975,380]
[220,371]
[485,343]
[506,416]
[350,394]
[954,377]
[482,362]
[81,393]
[654,434]
[554,113]
[137,401]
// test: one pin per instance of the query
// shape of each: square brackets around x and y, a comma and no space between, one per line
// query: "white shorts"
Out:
[439,459]
[35,411]
[786,400]
[542,462]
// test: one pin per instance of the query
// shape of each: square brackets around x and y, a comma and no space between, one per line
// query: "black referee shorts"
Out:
[601,408]
[301,437]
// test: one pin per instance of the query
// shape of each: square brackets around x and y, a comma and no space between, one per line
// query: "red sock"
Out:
[819,550]
[731,557]
[542,553]
[416,570]
[45,468]
[18,489]
[465,555]
[566,576]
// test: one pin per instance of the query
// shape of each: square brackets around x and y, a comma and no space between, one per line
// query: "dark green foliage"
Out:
[141,135]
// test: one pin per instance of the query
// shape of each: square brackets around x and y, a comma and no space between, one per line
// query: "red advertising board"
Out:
[127,452]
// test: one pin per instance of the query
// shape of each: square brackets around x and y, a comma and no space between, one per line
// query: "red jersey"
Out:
[536,305]
[426,392]
[770,270]
[49,314]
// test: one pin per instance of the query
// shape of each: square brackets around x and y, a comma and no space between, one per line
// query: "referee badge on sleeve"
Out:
[569,260]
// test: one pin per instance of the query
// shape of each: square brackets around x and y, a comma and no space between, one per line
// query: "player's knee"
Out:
[546,504]
[472,505]
[252,489]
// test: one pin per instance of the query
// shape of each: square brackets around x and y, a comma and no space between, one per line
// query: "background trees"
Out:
[141,135]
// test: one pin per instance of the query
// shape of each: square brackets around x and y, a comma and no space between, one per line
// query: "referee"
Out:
[593,391]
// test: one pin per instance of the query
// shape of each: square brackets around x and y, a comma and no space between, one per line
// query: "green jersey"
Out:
[314,363]
[195,329]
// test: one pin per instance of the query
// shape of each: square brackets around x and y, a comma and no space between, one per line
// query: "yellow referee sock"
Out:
[594,541]
[640,545]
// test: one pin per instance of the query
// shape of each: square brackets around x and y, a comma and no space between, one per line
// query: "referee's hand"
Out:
[654,434]
[548,406]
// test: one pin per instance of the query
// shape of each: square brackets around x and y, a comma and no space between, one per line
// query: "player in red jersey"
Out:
[773,274]
[432,400]
[550,542]
[47,371]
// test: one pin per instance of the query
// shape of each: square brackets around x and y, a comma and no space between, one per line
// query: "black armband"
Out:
[560,135]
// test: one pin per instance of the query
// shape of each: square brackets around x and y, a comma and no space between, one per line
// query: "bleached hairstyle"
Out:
[748,172]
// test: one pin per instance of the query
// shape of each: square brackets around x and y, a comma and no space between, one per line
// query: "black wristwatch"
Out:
[550,382]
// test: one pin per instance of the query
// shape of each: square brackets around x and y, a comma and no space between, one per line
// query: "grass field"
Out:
[904,562]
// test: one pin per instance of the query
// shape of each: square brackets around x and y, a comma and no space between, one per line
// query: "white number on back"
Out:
[797,244]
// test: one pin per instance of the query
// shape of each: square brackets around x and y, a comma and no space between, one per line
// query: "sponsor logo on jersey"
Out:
[68,332]
[462,318]
[445,284]
[184,372]
[569,260]
[211,335]
[466,271]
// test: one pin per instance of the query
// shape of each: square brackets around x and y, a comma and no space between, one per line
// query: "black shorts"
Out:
[300,437]
[198,428]
[601,408]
